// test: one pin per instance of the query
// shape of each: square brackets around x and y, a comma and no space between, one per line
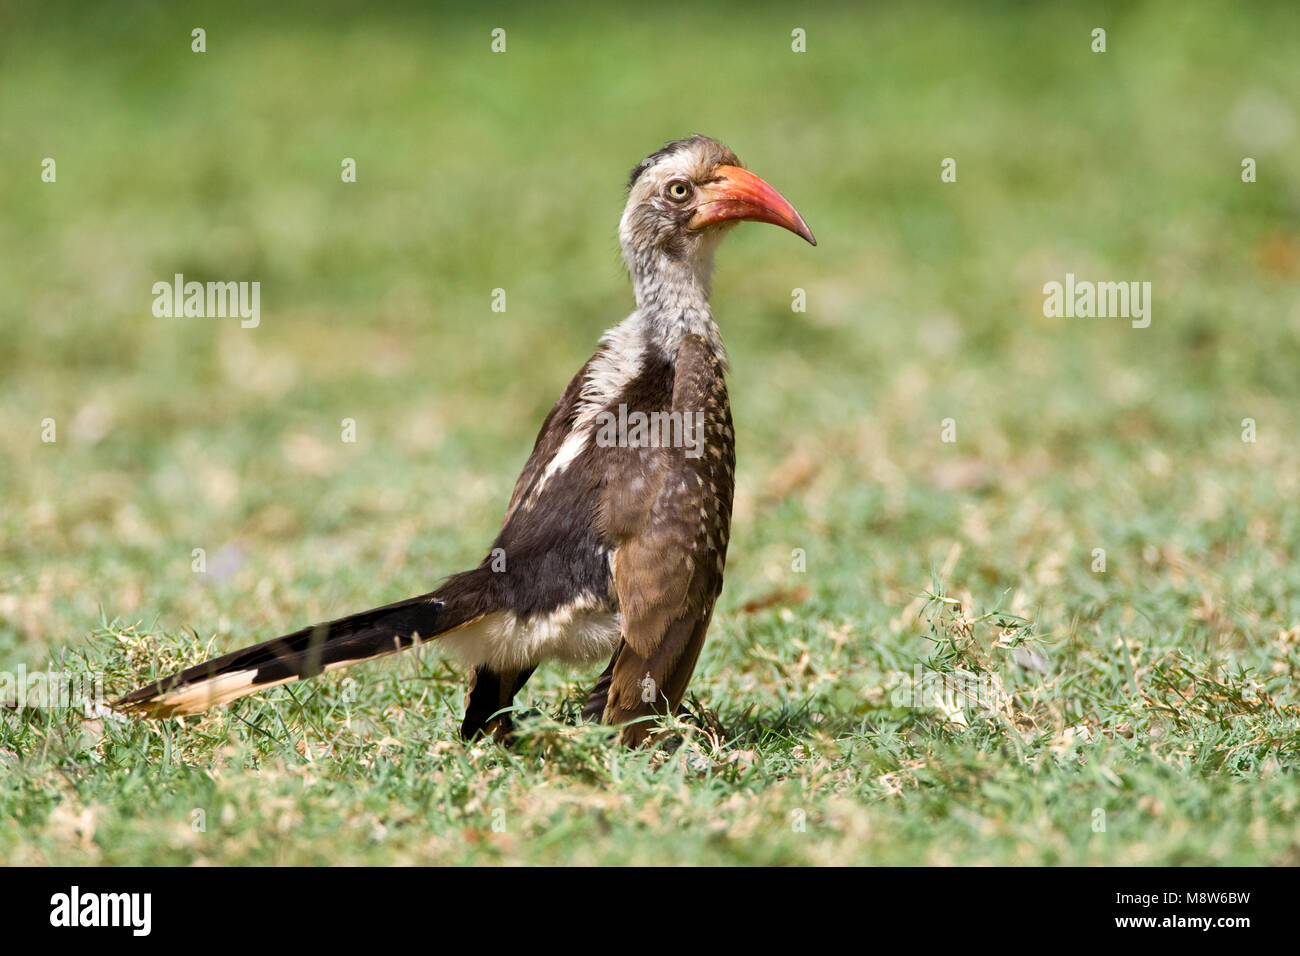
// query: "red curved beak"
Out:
[737,194]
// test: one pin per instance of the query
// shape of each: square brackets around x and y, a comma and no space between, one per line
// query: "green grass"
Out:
[1160,692]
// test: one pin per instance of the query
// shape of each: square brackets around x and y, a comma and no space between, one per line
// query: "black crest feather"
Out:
[675,146]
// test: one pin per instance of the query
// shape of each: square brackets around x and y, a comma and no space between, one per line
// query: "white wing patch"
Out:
[564,456]
[617,362]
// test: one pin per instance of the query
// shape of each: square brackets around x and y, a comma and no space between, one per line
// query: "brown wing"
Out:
[670,531]
[550,437]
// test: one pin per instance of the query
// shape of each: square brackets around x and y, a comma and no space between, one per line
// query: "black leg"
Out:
[594,709]
[490,692]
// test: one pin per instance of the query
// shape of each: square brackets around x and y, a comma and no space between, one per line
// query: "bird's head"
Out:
[683,199]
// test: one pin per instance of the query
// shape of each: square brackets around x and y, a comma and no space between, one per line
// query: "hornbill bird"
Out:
[615,539]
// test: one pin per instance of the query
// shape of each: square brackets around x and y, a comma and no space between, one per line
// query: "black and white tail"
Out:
[296,656]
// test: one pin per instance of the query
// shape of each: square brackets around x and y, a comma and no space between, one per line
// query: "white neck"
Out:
[672,301]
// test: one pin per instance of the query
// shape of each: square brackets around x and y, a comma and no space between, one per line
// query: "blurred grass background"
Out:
[479,171]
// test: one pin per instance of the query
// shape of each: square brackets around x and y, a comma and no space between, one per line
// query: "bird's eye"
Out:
[679,190]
